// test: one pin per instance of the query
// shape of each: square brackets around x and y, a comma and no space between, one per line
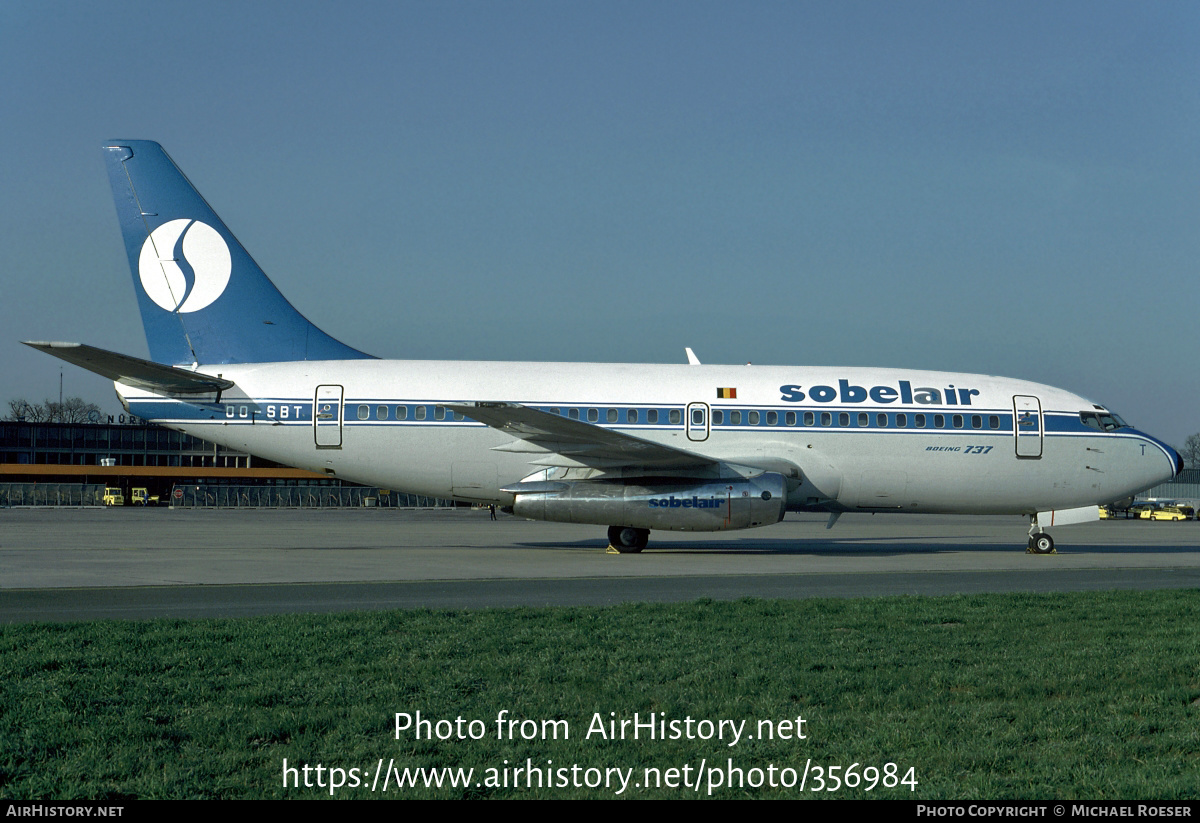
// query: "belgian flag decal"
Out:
[727,394]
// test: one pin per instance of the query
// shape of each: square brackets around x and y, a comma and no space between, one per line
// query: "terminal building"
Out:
[1185,486]
[72,464]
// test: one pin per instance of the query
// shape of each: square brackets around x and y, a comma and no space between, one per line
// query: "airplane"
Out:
[634,447]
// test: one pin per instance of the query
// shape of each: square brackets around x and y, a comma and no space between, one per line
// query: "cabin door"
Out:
[327,417]
[1027,426]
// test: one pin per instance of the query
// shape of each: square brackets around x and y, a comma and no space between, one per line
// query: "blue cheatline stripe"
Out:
[301,409]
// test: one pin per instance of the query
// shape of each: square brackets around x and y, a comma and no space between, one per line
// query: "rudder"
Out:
[202,297]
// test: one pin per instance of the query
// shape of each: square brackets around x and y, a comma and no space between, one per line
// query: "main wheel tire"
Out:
[1041,544]
[627,539]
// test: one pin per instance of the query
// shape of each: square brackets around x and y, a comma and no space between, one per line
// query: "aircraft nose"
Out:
[1176,460]
[1175,457]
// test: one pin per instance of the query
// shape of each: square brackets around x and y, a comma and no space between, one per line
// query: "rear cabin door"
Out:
[327,417]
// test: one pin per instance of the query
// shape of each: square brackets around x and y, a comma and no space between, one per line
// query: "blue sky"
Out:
[1008,188]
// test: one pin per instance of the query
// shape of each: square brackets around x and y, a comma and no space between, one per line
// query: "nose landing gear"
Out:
[1039,541]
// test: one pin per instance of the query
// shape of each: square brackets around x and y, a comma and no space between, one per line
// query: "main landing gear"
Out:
[1039,541]
[627,540]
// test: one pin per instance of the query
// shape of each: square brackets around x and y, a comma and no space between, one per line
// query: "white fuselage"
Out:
[846,439]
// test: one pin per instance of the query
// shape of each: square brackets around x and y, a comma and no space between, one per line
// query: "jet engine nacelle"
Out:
[702,506]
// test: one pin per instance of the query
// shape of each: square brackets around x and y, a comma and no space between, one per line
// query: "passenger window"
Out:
[631,416]
[919,421]
[718,417]
[402,412]
[826,419]
[809,419]
[939,421]
[697,417]
[993,422]
[612,415]
[381,412]
[752,418]
[554,411]
[439,412]
[735,418]
[593,416]
[881,421]
[652,415]
[364,412]
[420,412]
[958,421]
[573,414]
[772,418]
[676,417]
[790,418]
[864,420]
[902,421]
[844,419]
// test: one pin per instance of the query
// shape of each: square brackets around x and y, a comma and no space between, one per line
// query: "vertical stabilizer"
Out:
[202,297]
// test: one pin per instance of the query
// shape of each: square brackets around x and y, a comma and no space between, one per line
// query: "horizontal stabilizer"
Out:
[133,371]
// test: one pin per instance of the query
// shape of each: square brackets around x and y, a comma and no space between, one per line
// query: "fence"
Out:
[51,494]
[193,496]
[306,497]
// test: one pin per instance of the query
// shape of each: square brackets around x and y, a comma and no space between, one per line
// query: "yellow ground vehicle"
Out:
[142,497]
[113,496]
[1171,513]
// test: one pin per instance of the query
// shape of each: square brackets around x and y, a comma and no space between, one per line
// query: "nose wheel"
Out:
[1039,541]
[1041,544]
[627,540]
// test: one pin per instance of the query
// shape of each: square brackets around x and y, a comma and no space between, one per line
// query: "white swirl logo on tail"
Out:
[184,265]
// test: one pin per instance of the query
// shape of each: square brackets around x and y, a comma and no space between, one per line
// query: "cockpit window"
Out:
[1102,421]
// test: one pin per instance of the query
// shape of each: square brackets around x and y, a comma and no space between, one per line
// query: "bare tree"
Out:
[21,409]
[71,410]
[1191,451]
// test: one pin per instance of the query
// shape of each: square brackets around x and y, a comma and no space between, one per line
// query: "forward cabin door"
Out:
[327,417]
[1027,426]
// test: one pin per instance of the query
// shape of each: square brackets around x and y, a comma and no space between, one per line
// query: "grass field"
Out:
[1071,696]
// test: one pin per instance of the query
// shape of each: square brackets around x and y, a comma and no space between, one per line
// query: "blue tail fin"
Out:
[203,298]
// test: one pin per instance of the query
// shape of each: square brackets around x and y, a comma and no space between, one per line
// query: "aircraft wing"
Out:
[552,440]
[133,371]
